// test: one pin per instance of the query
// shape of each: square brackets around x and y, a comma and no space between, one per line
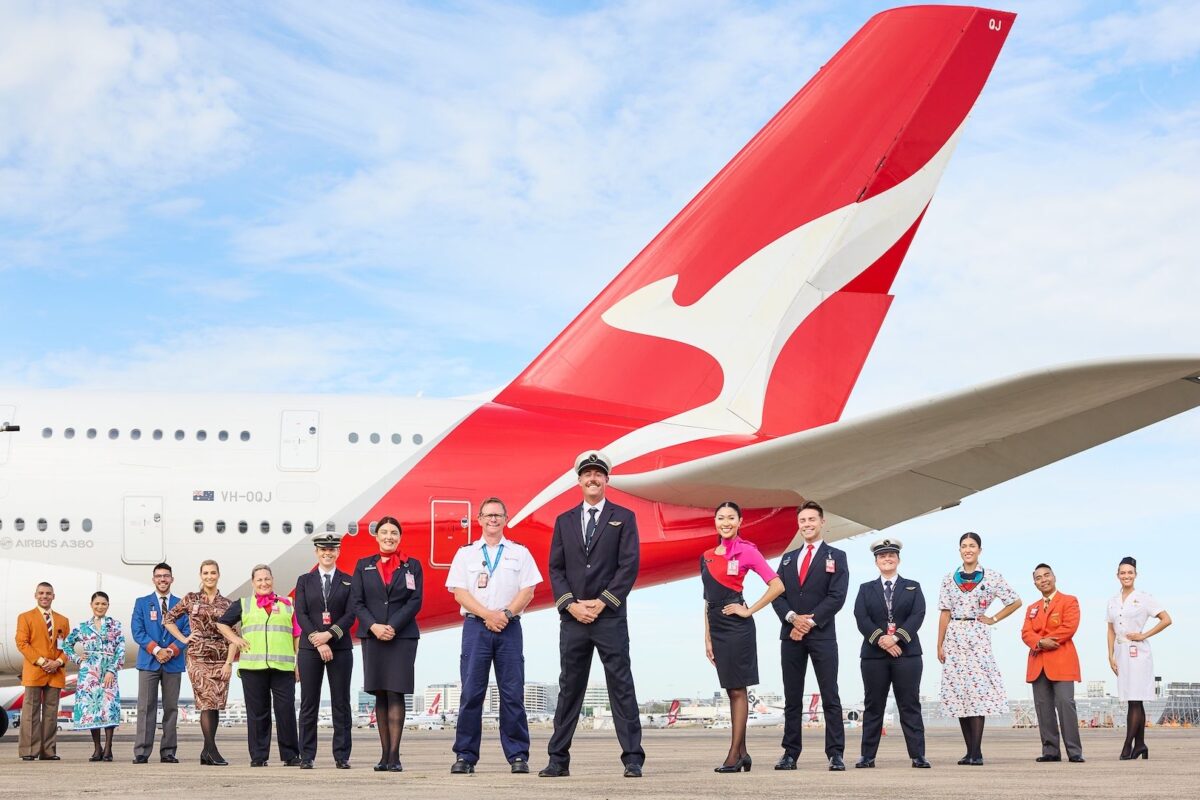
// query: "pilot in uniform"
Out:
[325,615]
[594,556]
[492,579]
[889,611]
[815,581]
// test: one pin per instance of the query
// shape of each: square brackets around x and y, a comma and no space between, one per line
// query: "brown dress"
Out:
[207,652]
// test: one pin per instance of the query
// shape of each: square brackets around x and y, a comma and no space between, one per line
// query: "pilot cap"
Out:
[327,540]
[880,546]
[593,459]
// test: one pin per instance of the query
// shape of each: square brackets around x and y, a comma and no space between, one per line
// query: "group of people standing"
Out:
[594,555]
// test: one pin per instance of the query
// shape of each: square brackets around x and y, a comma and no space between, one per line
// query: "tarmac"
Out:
[678,763]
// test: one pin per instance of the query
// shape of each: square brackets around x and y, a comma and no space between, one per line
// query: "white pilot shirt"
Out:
[583,518]
[516,571]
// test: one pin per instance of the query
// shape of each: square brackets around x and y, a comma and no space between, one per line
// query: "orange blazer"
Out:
[33,643]
[1058,622]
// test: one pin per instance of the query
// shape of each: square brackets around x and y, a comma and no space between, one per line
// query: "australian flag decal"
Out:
[205,495]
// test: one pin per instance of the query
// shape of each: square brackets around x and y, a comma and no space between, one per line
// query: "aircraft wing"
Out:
[889,467]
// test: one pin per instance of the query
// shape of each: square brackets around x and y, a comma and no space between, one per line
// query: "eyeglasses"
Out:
[492,516]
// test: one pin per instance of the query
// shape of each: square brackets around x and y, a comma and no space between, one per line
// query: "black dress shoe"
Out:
[380,767]
[397,767]
[49,758]
[168,759]
[29,758]
[106,757]
[97,757]
[836,764]
[633,770]
[865,763]
[1076,759]
[553,770]
[461,767]
[743,763]
[1044,759]
[342,764]
[520,766]
[977,761]
[787,762]
[258,763]
[921,763]
[306,763]
[140,760]
[213,760]
[294,762]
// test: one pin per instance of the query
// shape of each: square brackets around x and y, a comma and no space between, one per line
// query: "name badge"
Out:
[829,565]
[1133,651]
[891,629]
[60,643]
[481,583]
[410,581]
[983,602]
[1033,612]
[153,615]
[195,608]
[732,567]
[326,618]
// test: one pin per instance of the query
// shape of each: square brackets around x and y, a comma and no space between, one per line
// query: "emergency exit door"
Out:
[7,414]
[143,540]
[450,529]
[299,441]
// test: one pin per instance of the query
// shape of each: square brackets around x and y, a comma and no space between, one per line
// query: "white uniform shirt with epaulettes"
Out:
[515,571]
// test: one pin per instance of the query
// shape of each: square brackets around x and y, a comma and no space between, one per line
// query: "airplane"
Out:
[762,714]
[433,719]
[662,720]
[693,370]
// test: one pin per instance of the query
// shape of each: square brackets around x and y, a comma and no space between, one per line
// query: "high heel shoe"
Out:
[96,756]
[1125,751]
[106,757]
[213,760]
[1143,752]
[743,763]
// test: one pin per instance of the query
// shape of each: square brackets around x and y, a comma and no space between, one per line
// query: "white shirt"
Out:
[515,571]
[583,520]
[804,552]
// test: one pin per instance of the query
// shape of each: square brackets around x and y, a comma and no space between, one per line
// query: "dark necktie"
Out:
[325,588]
[49,626]
[591,528]
[806,564]
[164,608]
[887,596]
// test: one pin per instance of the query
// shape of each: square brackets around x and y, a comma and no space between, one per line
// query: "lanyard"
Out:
[491,565]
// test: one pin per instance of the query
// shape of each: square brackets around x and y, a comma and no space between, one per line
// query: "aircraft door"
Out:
[143,540]
[300,441]
[7,414]
[450,529]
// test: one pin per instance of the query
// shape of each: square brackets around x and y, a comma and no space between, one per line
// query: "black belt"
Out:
[965,619]
[513,618]
[738,599]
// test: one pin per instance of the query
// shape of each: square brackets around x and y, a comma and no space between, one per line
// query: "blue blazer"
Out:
[607,571]
[908,612]
[822,595]
[148,631]
[394,604]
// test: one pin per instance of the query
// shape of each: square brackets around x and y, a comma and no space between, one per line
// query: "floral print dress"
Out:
[97,706]
[971,682]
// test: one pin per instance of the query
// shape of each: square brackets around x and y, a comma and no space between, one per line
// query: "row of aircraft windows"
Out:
[375,438]
[198,526]
[64,525]
[136,433]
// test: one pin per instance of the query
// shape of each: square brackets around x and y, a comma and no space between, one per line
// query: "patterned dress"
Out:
[207,652]
[971,682]
[97,705]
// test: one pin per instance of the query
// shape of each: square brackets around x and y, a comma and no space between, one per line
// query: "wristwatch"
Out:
[509,614]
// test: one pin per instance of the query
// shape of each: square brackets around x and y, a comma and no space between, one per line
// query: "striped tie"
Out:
[49,626]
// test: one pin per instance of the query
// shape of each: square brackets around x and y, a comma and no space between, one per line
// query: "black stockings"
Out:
[739,713]
[108,736]
[972,731]
[1135,728]
[208,726]
[389,718]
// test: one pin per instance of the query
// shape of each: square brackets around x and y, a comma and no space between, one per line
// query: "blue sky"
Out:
[406,197]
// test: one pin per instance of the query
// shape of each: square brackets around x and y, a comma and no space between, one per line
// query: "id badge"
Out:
[326,618]
[1033,612]
[829,565]
[732,567]
[891,629]
[1133,651]
[481,583]
[153,615]
[410,581]
[984,603]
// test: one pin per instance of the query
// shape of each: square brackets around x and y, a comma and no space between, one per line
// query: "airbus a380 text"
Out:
[691,370]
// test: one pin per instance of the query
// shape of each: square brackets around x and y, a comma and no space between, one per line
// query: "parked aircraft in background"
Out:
[433,718]
[715,365]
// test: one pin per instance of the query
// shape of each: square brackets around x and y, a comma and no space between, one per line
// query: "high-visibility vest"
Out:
[269,635]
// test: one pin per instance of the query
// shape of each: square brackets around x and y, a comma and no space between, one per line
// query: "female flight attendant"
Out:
[385,594]
[971,684]
[729,633]
[1129,653]
[97,697]
[209,660]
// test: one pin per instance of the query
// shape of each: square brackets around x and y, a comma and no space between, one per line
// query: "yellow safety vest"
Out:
[269,635]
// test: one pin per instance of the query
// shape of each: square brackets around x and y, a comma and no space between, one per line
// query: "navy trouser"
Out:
[480,650]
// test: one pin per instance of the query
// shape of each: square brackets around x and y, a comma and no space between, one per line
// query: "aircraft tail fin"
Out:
[785,260]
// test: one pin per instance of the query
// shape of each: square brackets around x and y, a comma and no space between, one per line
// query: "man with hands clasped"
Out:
[1053,666]
[160,665]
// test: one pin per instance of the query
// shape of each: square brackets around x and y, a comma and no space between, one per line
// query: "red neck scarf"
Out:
[387,565]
